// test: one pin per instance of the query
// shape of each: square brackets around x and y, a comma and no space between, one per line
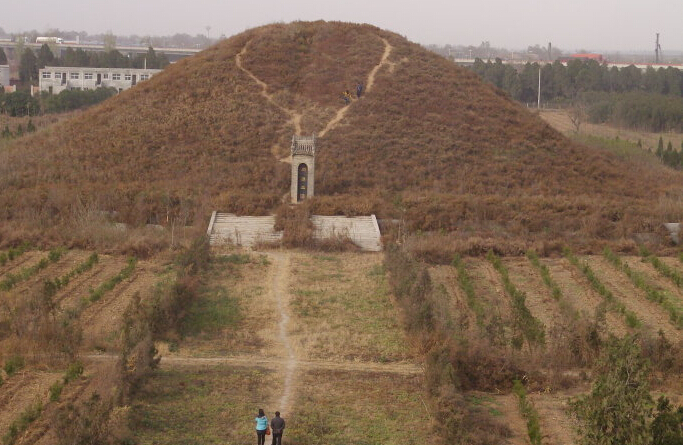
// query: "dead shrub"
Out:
[295,221]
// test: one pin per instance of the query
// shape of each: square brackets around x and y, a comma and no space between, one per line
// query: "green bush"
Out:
[68,100]
[74,371]
[56,391]
[675,276]
[11,280]
[545,274]
[666,427]
[21,424]
[13,253]
[466,285]
[527,327]
[108,285]
[618,407]
[529,413]
[50,287]
[13,364]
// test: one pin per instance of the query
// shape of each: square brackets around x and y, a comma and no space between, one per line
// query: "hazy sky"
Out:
[570,24]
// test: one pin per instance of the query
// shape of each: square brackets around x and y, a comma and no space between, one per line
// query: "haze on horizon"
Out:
[616,25]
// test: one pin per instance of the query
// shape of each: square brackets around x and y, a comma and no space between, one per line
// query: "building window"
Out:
[128,77]
[58,75]
[105,76]
[74,75]
[87,76]
[144,76]
[116,76]
[46,75]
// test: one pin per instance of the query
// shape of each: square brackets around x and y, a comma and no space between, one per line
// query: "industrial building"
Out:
[55,79]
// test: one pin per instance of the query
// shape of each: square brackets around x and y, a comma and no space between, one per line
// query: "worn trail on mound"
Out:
[369,83]
[295,118]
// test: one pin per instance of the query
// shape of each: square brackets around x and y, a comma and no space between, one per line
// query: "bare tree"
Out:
[578,114]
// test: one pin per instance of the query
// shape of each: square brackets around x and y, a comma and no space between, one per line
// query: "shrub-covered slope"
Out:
[428,142]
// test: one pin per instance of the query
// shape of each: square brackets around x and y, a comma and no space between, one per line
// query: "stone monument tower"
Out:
[303,167]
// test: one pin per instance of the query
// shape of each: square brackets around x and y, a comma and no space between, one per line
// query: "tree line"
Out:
[560,82]
[21,103]
[649,100]
[30,62]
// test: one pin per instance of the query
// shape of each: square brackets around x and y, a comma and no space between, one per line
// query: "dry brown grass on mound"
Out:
[430,144]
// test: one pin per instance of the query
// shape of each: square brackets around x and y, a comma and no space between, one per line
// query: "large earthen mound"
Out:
[428,143]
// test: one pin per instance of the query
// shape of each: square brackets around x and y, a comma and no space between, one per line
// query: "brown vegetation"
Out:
[430,144]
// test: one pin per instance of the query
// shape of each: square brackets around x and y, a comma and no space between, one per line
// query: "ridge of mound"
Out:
[428,142]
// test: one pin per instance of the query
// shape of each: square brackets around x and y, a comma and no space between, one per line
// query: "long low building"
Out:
[55,79]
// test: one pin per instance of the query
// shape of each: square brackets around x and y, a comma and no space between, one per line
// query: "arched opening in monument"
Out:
[302,183]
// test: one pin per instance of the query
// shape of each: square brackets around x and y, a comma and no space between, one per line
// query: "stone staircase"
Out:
[245,231]
[363,231]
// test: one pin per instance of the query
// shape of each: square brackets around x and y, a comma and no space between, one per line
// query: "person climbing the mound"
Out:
[278,426]
[261,427]
[359,90]
[346,96]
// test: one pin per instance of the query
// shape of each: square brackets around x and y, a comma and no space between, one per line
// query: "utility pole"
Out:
[539,87]
[208,28]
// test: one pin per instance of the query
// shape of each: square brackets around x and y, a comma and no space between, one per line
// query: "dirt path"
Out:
[280,285]
[302,365]
[509,408]
[369,83]
[557,426]
[295,118]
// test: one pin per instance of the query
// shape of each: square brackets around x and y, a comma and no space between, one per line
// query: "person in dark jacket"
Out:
[359,90]
[261,427]
[278,427]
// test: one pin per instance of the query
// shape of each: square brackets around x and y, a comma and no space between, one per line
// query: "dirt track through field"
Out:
[509,407]
[20,392]
[578,291]
[26,259]
[561,121]
[651,314]
[280,285]
[539,299]
[80,286]
[557,425]
[103,317]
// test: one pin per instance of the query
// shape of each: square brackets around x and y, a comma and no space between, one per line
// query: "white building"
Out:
[55,79]
[4,75]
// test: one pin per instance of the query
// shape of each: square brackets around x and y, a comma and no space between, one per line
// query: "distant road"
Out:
[173,54]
